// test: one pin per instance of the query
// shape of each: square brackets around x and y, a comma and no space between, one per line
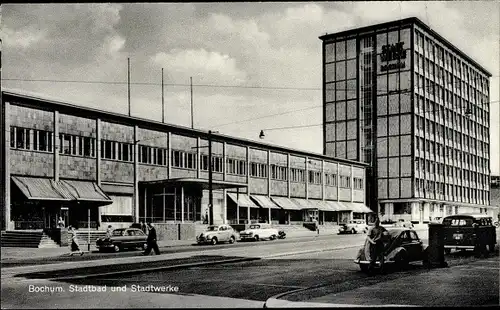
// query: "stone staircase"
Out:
[27,239]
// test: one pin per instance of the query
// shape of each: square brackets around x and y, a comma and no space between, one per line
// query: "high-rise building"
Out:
[402,98]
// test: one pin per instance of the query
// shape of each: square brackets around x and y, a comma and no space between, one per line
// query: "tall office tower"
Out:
[402,98]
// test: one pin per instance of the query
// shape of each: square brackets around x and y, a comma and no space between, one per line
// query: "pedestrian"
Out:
[316,226]
[74,242]
[60,223]
[376,238]
[109,232]
[143,228]
[151,241]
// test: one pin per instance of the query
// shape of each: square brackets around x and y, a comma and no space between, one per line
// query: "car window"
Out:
[222,228]
[118,232]
[131,232]
[254,226]
[212,228]
[458,222]
[405,237]
[413,235]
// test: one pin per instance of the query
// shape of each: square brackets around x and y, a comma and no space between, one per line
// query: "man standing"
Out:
[151,241]
[376,238]
[109,231]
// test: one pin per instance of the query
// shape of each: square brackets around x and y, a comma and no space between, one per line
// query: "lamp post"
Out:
[210,194]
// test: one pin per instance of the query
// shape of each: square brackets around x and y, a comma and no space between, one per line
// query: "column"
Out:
[56,146]
[182,204]
[351,183]
[237,206]
[288,182]
[169,151]
[323,182]
[269,172]
[224,163]
[270,218]
[8,225]
[307,178]
[97,149]
[145,204]
[198,161]
[248,215]
[136,175]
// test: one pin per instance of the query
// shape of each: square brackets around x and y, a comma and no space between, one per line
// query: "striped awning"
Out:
[242,200]
[356,207]
[338,206]
[286,203]
[323,205]
[304,203]
[264,202]
[64,190]
[41,189]
[85,191]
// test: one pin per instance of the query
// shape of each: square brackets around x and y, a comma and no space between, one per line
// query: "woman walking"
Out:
[74,243]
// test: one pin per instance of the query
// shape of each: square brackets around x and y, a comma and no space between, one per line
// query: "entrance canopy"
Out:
[203,183]
[64,190]
[337,206]
[357,207]
[242,200]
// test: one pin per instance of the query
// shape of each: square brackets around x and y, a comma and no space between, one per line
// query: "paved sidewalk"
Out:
[465,285]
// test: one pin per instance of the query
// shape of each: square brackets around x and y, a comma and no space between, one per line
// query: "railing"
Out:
[29,224]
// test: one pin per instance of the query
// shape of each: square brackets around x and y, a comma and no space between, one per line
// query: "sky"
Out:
[254,66]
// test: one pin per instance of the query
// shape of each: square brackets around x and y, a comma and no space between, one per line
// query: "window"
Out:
[87,147]
[314,177]
[216,163]
[331,179]
[258,170]
[42,140]
[297,175]
[186,160]
[125,151]
[345,181]
[236,166]
[358,183]
[279,173]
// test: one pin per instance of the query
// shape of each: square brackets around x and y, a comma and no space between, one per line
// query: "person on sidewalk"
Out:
[109,231]
[376,238]
[60,223]
[74,242]
[151,241]
[143,228]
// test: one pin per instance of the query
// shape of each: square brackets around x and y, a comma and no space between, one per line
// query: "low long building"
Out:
[93,167]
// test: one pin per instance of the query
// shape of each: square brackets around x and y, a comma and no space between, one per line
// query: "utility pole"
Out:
[192,122]
[128,84]
[162,100]
[210,194]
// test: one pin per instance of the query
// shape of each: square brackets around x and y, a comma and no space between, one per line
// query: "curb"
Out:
[143,270]
[312,251]
[276,303]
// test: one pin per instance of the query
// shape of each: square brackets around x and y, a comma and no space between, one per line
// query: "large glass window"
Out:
[340,50]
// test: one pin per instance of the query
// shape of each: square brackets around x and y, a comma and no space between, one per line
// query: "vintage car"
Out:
[353,227]
[259,232]
[123,238]
[469,232]
[217,233]
[402,246]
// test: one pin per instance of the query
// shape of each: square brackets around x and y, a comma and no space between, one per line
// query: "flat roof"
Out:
[49,104]
[401,22]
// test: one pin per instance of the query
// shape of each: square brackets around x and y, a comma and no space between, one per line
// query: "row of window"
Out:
[448,60]
[425,145]
[30,139]
[451,171]
[451,190]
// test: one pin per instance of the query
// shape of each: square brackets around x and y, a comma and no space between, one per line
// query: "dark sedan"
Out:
[401,247]
[123,238]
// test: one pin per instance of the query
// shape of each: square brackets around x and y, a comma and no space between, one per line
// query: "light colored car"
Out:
[353,227]
[217,233]
[259,232]
[402,246]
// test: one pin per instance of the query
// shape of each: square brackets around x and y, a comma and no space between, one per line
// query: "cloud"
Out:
[22,38]
[205,65]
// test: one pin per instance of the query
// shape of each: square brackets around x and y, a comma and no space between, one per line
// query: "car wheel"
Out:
[353,231]
[273,237]
[144,246]
[116,248]
[402,260]
[231,240]
[491,247]
[447,251]
[364,267]
[256,238]
[214,241]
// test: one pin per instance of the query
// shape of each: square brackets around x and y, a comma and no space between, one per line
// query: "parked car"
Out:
[469,232]
[402,246]
[353,227]
[404,223]
[259,232]
[123,238]
[217,233]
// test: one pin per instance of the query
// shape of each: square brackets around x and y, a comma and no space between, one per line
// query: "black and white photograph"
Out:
[250,154]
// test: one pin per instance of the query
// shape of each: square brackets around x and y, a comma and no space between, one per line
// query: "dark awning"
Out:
[203,183]
[35,188]
[41,189]
[85,191]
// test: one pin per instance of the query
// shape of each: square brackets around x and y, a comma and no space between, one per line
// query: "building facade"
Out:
[95,168]
[403,99]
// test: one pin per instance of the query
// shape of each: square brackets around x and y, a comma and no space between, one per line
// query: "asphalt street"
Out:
[311,267]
